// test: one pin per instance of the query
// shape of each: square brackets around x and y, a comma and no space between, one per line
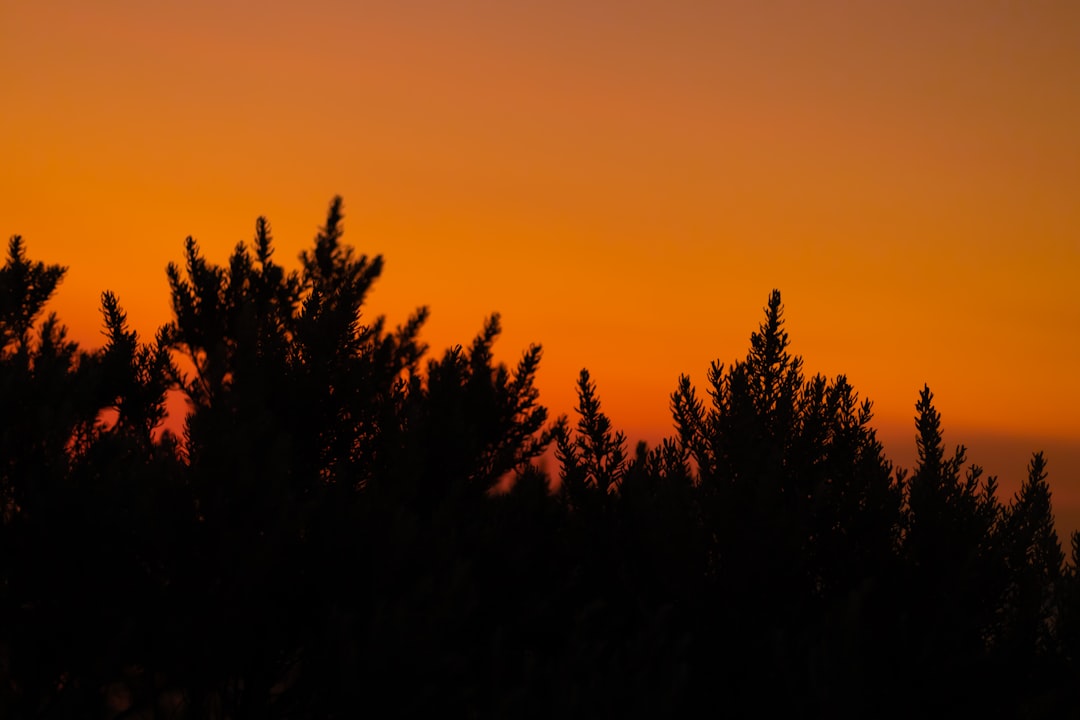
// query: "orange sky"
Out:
[624,180]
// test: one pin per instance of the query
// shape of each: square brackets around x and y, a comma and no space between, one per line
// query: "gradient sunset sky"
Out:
[625,181]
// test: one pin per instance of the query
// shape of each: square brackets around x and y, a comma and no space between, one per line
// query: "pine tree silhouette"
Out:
[1029,638]
[349,526]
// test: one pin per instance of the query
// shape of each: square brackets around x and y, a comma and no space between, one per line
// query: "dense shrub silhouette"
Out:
[331,534]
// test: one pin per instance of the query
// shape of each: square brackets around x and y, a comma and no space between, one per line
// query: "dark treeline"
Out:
[326,538]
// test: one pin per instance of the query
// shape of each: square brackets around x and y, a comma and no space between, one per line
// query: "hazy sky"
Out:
[625,181]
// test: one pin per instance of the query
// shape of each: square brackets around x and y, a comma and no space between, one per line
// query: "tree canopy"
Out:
[349,524]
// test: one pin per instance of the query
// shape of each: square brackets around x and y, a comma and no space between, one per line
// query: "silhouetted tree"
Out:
[956,576]
[88,515]
[593,459]
[344,527]
[44,399]
[45,404]
[1028,639]
[804,514]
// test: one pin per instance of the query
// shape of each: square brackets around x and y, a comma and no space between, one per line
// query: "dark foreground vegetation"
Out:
[325,539]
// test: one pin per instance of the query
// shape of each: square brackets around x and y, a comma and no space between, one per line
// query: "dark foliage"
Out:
[346,528]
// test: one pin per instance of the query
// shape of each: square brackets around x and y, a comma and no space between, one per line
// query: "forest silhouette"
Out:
[330,536]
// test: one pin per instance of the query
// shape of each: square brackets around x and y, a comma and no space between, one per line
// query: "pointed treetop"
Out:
[263,241]
[321,262]
[928,439]
[25,288]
